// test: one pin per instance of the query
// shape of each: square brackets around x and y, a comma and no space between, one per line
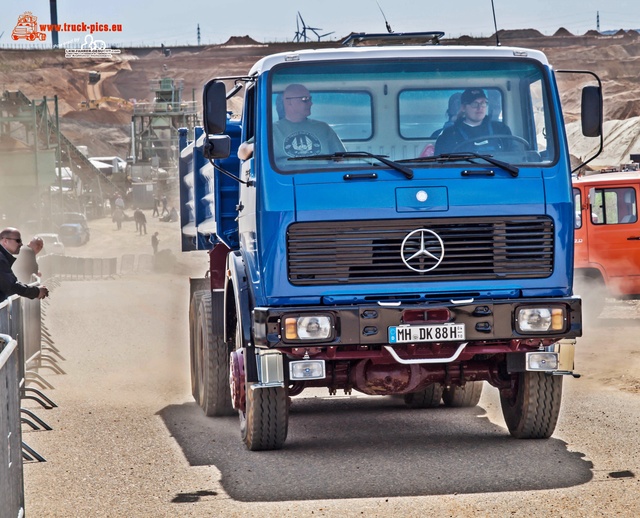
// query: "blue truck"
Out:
[357,242]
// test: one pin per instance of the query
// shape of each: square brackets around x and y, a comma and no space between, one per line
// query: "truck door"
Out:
[614,236]
[581,223]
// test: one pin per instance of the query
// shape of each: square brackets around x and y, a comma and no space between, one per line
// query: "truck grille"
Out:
[355,252]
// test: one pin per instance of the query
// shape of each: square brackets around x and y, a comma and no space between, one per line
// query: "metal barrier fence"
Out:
[65,267]
[24,341]
[11,472]
[77,268]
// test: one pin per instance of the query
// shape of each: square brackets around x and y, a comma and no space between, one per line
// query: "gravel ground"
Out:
[129,441]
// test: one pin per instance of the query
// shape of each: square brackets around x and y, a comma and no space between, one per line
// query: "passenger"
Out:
[26,264]
[296,135]
[473,127]
[10,244]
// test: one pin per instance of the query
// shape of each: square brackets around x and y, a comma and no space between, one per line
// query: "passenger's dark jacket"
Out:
[481,139]
[9,284]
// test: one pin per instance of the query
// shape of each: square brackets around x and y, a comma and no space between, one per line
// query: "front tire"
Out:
[265,423]
[214,395]
[532,407]
[462,397]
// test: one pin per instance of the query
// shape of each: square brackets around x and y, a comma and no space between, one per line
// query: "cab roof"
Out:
[395,52]
[615,177]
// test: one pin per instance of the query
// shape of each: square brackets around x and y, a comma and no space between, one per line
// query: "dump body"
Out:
[378,262]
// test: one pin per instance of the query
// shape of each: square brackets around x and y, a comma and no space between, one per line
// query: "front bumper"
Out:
[485,322]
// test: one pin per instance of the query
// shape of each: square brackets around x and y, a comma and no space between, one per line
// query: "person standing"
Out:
[155,242]
[118,217]
[10,244]
[26,264]
[165,208]
[141,221]
[156,207]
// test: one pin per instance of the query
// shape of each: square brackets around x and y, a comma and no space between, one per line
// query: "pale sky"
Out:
[175,23]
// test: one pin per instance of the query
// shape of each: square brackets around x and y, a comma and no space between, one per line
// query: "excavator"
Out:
[94,104]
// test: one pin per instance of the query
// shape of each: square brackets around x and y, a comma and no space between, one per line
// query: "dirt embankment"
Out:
[106,131]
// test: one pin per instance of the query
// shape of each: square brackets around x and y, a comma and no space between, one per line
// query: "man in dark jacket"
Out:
[474,131]
[10,243]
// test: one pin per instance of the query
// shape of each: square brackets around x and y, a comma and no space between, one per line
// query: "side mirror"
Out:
[217,146]
[214,101]
[591,111]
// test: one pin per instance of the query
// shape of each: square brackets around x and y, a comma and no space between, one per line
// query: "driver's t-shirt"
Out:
[307,138]
[477,137]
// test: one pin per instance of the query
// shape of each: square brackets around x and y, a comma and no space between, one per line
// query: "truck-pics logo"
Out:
[27,28]
[422,250]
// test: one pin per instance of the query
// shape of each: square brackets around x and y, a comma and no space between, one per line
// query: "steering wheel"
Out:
[524,143]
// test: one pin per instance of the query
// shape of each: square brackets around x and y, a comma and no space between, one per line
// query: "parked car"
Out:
[52,244]
[73,234]
[73,217]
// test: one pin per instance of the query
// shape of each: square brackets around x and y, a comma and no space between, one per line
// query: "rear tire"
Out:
[193,353]
[531,411]
[466,396]
[428,398]
[214,395]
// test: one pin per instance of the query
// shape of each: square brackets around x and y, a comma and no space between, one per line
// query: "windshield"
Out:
[405,110]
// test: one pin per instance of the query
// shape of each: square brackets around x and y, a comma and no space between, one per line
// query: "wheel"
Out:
[593,293]
[531,408]
[427,398]
[193,331]
[466,396]
[501,139]
[213,357]
[265,424]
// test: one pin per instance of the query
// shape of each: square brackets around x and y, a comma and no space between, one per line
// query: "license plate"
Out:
[432,333]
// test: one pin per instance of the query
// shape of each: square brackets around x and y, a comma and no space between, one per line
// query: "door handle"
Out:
[633,238]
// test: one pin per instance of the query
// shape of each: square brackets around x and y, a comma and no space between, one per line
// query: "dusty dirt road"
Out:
[128,440]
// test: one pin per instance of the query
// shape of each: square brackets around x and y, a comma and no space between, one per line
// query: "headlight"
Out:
[308,327]
[306,370]
[540,320]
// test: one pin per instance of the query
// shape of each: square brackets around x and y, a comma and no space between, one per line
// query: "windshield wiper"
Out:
[467,156]
[360,154]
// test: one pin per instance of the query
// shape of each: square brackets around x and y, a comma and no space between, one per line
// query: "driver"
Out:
[473,128]
[298,135]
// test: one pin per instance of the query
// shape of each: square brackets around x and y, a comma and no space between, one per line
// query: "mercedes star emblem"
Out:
[422,250]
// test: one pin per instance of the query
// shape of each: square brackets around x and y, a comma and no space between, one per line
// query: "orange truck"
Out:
[607,238]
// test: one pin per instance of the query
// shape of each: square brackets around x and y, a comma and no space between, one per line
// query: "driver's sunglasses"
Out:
[17,240]
[304,99]
[478,104]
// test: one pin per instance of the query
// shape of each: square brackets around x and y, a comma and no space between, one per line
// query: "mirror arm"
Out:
[588,72]
[232,176]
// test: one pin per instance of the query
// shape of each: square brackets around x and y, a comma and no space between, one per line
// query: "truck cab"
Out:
[353,250]
[607,237]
